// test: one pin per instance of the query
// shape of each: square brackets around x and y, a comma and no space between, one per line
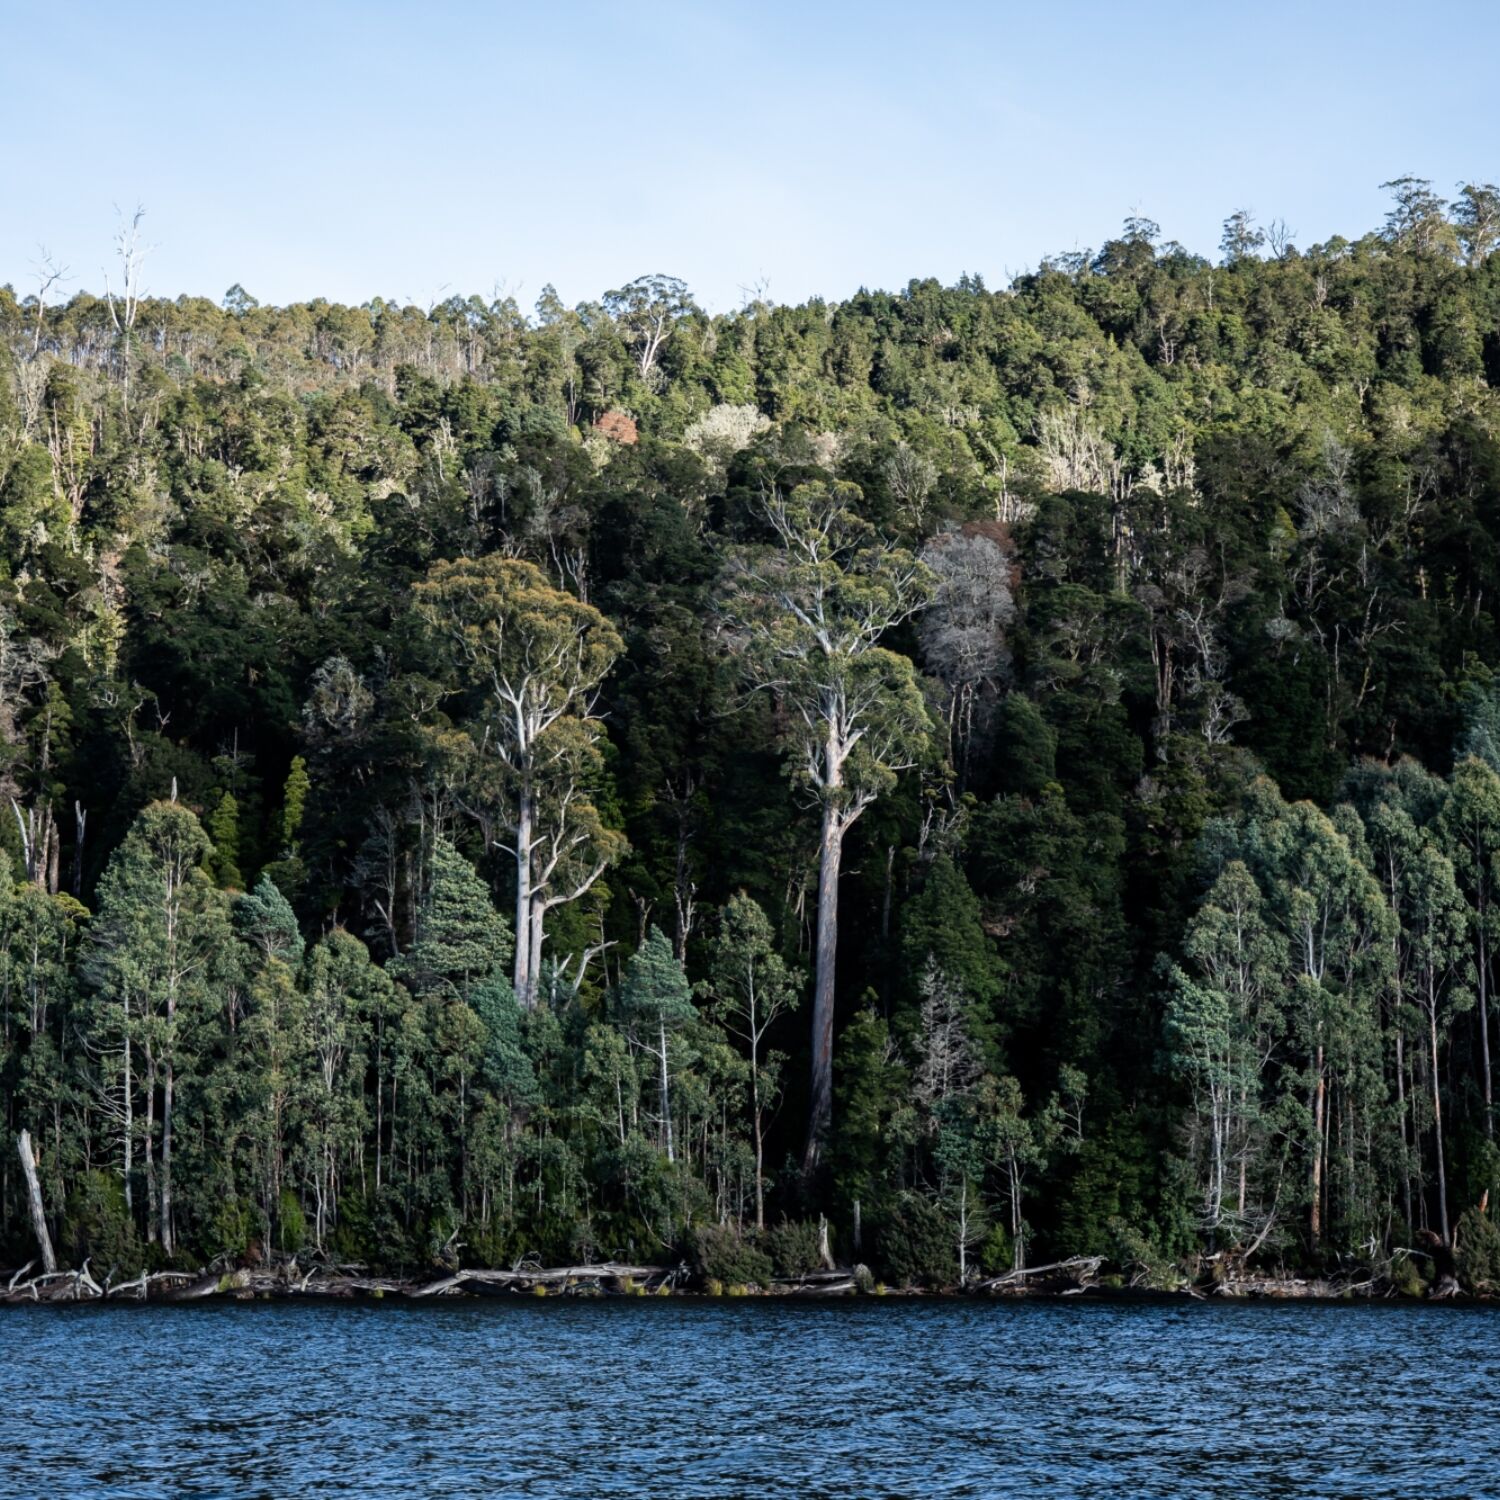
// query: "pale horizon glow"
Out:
[414,152]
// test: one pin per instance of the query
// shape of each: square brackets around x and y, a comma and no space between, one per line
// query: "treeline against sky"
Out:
[1015,773]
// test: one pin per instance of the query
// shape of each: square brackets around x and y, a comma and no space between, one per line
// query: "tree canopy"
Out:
[1009,772]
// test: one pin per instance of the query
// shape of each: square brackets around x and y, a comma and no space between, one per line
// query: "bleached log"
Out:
[1083,1266]
[561,1275]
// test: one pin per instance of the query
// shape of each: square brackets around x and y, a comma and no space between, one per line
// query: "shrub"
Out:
[916,1244]
[1477,1252]
[291,1223]
[1141,1260]
[1406,1278]
[722,1254]
[996,1255]
[793,1248]
[97,1223]
[232,1226]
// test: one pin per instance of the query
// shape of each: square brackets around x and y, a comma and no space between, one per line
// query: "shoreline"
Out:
[612,1282]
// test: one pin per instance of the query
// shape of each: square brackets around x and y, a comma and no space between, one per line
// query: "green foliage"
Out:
[265,919]
[655,991]
[224,833]
[915,1245]
[793,1247]
[461,941]
[1122,637]
[1477,1238]
[291,1223]
[294,802]
[98,1223]
[720,1253]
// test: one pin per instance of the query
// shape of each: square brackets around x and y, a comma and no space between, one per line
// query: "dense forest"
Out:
[1009,773]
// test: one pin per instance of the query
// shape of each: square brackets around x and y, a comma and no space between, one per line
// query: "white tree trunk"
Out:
[525,980]
[34,1196]
[666,1100]
[820,1109]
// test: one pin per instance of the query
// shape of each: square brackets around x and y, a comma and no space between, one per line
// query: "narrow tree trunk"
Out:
[166,1158]
[34,1196]
[1437,1116]
[536,936]
[1402,1112]
[148,1149]
[1484,1023]
[1315,1217]
[1017,1235]
[760,1194]
[820,1111]
[80,827]
[379,1100]
[128,1100]
[666,1102]
[963,1233]
[524,979]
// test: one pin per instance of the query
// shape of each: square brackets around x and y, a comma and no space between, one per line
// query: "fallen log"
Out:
[1079,1269]
[143,1281]
[609,1271]
[207,1286]
[814,1286]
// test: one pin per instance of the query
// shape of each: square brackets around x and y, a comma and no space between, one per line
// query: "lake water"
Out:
[755,1398]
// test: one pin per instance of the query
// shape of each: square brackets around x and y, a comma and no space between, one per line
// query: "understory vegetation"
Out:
[1010,774]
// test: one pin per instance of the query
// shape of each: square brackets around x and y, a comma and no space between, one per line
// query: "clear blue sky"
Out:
[412,150]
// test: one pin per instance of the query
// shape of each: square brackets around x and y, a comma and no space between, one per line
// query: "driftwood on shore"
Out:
[1076,1274]
[564,1276]
[288,1279]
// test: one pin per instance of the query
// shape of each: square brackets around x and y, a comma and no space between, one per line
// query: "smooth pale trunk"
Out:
[166,1160]
[820,1111]
[760,1153]
[666,1103]
[963,1234]
[1402,1112]
[523,971]
[174,888]
[1315,1221]
[34,1197]
[1017,1236]
[1484,1018]
[379,1099]
[536,936]
[1437,1116]
[148,1149]
[129,1103]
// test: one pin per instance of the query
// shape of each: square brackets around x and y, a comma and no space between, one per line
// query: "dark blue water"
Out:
[755,1398]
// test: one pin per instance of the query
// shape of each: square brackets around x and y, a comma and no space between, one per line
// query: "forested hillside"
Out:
[1015,772]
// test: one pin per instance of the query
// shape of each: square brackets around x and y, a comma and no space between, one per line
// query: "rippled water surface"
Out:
[753,1398]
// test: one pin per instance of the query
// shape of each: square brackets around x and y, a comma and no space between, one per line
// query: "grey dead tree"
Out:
[964,633]
[49,274]
[124,305]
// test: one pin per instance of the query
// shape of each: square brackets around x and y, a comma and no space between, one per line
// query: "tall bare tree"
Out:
[125,304]
[807,614]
